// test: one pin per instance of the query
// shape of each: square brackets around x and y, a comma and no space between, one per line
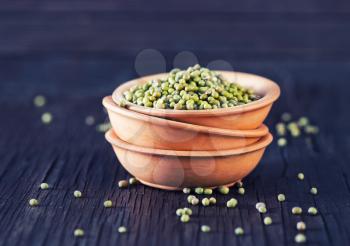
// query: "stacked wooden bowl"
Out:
[173,149]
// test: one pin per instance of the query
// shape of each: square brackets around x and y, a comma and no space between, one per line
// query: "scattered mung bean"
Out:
[313,191]
[190,198]
[122,229]
[312,210]
[281,129]
[311,129]
[133,181]
[195,201]
[241,191]
[179,211]
[187,211]
[79,232]
[239,231]
[46,118]
[259,205]
[77,193]
[199,190]
[286,116]
[239,184]
[205,202]
[300,238]
[231,203]
[212,200]
[185,218]
[205,228]
[108,204]
[297,210]
[282,142]
[262,210]
[303,121]
[33,202]
[267,220]
[224,190]
[281,197]
[44,186]
[39,101]
[301,176]
[186,190]
[301,226]
[89,120]
[208,191]
[123,184]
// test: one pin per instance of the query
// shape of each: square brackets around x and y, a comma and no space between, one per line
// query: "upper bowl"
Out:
[242,117]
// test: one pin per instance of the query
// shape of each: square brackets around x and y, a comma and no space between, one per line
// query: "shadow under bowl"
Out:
[158,133]
[242,117]
[173,170]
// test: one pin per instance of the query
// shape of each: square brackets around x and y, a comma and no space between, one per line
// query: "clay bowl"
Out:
[158,133]
[172,170]
[243,117]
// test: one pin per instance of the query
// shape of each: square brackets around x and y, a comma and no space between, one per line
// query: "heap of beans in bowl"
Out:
[195,88]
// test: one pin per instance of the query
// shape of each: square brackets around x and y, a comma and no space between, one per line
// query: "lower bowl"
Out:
[173,170]
[157,133]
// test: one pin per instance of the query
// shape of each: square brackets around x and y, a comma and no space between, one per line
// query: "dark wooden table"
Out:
[76,53]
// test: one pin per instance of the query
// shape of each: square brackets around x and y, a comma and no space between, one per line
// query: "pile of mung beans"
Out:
[195,88]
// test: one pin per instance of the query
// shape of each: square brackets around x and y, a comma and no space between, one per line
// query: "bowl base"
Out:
[164,187]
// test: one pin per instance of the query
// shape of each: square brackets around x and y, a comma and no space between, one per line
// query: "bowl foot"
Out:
[164,187]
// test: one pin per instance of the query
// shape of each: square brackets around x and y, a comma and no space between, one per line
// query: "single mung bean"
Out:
[187,211]
[260,205]
[46,118]
[297,210]
[44,186]
[239,231]
[185,218]
[199,190]
[281,129]
[300,238]
[262,210]
[33,202]
[267,220]
[208,191]
[39,101]
[186,190]
[241,191]
[301,226]
[107,203]
[212,200]
[123,184]
[179,211]
[190,198]
[195,201]
[312,210]
[281,197]
[311,129]
[89,120]
[286,116]
[313,191]
[79,232]
[224,190]
[205,202]
[282,142]
[122,229]
[301,176]
[77,193]
[303,121]
[205,228]
[239,184]
[133,181]
[231,203]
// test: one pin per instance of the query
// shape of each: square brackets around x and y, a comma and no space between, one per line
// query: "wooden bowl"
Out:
[243,117]
[158,133]
[172,170]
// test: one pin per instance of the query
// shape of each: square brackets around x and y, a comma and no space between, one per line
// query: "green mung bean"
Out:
[33,202]
[108,204]
[187,211]
[262,210]
[46,118]
[301,226]
[281,129]
[205,202]
[286,116]
[281,197]
[133,181]
[231,203]
[199,89]
[123,184]
[314,191]
[179,211]
[77,194]
[301,176]
[282,142]
[267,220]
[241,191]
[260,205]
[199,190]
[224,190]
[186,190]
[297,210]
[39,101]
[300,238]
[122,229]
[208,191]
[185,218]
[44,186]
[312,210]
[212,200]
[303,121]
[239,231]
[205,228]
[79,232]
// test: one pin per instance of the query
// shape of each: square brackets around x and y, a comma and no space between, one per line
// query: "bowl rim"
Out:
[113,139]
[272,94]
[109,104]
